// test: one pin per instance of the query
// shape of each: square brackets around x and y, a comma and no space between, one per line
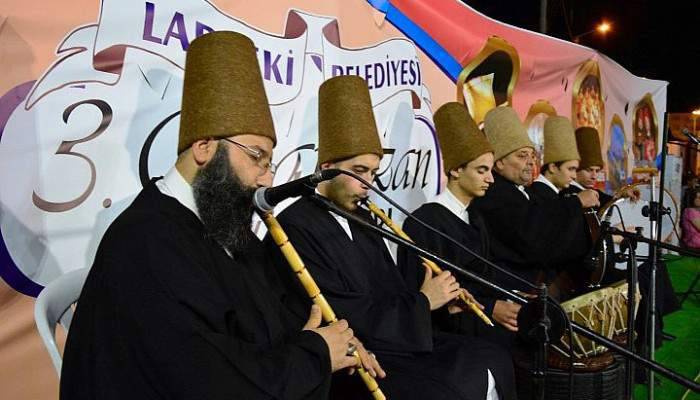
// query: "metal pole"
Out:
[651,308]
[631,303]
[655,215]
[543,16]
[542,336]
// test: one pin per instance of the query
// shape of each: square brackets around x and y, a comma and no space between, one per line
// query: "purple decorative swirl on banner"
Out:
[436,146]
[9,271]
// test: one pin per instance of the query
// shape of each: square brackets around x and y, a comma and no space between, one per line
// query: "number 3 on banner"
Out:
[66,147]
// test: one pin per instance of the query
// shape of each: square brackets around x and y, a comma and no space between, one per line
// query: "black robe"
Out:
[584,266]
[165,313]
[542,192]
[362,284]
[603,198]
[576,237]
[526,234]
[473,235]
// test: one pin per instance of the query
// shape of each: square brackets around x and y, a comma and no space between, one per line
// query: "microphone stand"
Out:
[655,212]
[630,240]
[639,238]
[540,332]
[655,223]
[631,244]
[583,331]
[601,245]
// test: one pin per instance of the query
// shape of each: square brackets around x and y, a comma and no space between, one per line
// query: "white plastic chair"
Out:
[53,306]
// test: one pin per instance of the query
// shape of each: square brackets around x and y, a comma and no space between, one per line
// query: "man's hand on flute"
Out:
[337,336]
[369,360]
[457,306]
[439,289]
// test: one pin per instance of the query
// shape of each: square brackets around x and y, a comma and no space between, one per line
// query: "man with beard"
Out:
[176,304]
[526,234]
[355,271]
[467,162]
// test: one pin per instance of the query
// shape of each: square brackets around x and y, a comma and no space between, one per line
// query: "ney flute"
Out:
[314,292]
[397,230]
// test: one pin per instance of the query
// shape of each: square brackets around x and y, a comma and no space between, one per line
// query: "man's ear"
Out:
[203,150]
[454,173]
[552,168]
[498,165]
[326,165]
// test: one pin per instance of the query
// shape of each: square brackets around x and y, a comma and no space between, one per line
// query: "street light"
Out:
[602,28]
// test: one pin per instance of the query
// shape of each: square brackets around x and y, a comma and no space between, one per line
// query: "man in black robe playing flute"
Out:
[355,271]
[176,305]
[467,162]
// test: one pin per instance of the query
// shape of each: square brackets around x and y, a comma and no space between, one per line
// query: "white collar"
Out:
[345,224]
[578,185]
[448,200]
[543,179]
[174,185]
[522,190]
[341,220]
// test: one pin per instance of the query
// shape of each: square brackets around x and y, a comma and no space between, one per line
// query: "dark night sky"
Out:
[652,39]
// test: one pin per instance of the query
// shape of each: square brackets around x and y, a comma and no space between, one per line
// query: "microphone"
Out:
[690,136]
[265,199]
[592,257]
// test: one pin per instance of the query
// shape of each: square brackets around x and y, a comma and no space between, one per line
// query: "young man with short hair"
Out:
[467,161]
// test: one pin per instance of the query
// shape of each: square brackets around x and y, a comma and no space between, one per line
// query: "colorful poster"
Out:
[90,96]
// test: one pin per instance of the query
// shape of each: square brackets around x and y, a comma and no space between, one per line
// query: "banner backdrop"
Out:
[91,95]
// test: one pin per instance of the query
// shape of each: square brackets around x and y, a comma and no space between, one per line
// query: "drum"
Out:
[603,311]
[618,308]
[633,216]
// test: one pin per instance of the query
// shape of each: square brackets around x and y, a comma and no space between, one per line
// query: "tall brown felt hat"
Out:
[460,139]
[559,140]
[505,132]
[346,125]
[223,93]
[588,144]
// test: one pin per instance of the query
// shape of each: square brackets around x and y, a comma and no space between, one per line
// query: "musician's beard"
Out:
[225,205]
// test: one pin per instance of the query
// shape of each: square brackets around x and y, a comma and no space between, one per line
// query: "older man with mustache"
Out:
[526,234]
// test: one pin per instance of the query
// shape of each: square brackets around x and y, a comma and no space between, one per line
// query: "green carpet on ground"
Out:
[683,354]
